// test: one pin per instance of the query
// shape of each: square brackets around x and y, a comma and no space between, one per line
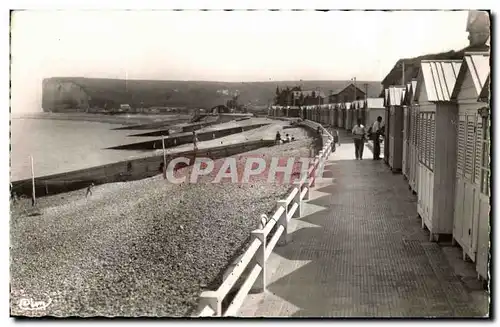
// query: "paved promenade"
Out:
[359,251]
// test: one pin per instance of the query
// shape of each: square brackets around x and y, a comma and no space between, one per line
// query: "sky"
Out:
[221,46]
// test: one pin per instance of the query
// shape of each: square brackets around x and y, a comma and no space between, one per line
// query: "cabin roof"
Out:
[485,92]
[439,77]
[396,93]
[478,64]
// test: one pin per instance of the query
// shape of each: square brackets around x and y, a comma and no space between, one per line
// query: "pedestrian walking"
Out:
[195,141]
[359,133]
[376,132]
[89,190]
[319,140]
[335,140]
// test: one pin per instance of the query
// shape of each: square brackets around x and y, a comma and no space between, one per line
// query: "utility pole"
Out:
[366,91]
[164,157]
[403,73]
[33,200]
[354,79]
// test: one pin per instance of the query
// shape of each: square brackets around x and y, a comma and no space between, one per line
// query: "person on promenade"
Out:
[195,141]
[359,132]
[318,141]
[376,131]
[277,140]
[335,135]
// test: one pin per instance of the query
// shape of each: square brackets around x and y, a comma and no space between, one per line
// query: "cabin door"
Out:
[469,170]
[483,230]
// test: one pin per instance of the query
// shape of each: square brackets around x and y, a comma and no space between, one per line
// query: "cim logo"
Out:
[26,304]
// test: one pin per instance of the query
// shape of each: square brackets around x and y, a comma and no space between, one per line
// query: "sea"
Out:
[59,146]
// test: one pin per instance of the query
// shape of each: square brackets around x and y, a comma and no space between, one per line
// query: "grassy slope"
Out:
[201,94]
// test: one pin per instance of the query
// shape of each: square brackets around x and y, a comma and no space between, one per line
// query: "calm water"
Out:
[60,145]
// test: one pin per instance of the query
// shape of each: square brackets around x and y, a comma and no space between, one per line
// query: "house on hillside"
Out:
[348,94]
[297,97]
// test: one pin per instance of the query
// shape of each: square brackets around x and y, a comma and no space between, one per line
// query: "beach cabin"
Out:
[373,108]
[472,207]
[412,138]
[326,114]
[348,116]
[361,111]
[387,125]
[354,109]
[406,132]
[395,127]
[336,114]
[341,115]
[437,142]
[483,242]
[294,112]
[331,108]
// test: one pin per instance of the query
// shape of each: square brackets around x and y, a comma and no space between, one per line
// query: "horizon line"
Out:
[215,81]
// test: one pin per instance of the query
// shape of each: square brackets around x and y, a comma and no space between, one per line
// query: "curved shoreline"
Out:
[130,119]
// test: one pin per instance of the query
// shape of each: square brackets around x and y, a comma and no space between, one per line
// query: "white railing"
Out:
[256,255]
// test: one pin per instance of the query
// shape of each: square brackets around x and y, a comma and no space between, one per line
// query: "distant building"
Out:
[125,107]
[296,97]
[350,93]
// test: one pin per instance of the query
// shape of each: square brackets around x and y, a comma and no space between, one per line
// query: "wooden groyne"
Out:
[124,171]
[185,138]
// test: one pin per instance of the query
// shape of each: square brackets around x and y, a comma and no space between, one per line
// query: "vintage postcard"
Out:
[263,163]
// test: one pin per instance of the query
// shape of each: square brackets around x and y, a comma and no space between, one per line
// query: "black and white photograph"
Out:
[250,163]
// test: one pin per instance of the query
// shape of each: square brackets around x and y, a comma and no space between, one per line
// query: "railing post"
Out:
[313,173]
[296,199]
[283,221]
[211,298]
[260,258]
[306,196]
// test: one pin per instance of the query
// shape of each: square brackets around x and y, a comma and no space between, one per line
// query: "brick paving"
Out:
[359,251]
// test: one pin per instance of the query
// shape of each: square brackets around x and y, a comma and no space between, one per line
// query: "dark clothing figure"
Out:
[318,143]
[359,145]
[376,147]
[89,190]
[278,138]
[376,131]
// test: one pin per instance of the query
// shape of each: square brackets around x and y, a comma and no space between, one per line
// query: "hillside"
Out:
[412,65]
[110,93]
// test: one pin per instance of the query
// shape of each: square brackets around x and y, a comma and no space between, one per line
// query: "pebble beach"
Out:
[145,248]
